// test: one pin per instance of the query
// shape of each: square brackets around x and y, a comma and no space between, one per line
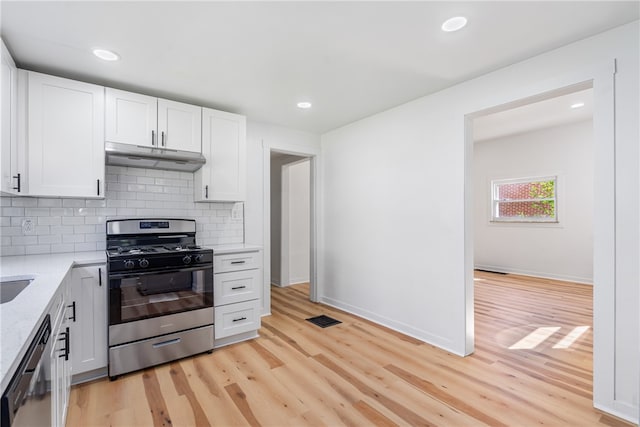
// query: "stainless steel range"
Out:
[160,293]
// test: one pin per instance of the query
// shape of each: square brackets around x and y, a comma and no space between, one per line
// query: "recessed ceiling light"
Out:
[577,105]
[106,55]
[304,105]
[454,24]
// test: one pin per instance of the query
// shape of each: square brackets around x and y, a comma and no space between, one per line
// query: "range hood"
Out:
[152,158]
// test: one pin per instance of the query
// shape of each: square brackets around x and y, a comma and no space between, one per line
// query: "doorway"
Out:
[290,220]
[533,180]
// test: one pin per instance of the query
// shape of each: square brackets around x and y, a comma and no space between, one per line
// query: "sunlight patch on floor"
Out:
[535,338]
[571,337]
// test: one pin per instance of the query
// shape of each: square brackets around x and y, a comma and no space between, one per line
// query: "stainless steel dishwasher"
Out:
[27,400]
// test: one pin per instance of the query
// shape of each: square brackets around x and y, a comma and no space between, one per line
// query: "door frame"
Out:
[314,167]
[602,78]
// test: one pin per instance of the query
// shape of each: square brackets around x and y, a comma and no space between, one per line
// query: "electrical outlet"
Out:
[237,213]
[27,226]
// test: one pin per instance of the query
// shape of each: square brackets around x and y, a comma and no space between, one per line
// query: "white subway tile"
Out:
[115,203]
[124,195]
[116,186]
[94,219]
[5,221]
[49,220]
[126,212]
[72,220]
[83,229]
[37,249]
[62,211]
[96,203]
[85,212]
[49,203]
[127,179]
[37,212]
[5,240]
[11,231]
[136,172]
[61,229]
[101,246]
[96,237]
[145,180]
[73,203]
[83,247]
[52,238]
[6,201]
[73,238]
[154,172]
[42,230]
[63,247]
[24,202]
[24,240]
[12,211]
[12,250]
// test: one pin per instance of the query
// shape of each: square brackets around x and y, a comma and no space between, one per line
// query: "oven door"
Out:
[135,296]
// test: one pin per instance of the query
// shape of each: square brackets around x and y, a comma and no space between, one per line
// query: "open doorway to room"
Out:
[533,193]
[290,211]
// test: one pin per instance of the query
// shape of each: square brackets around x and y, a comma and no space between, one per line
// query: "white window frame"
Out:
[495,201]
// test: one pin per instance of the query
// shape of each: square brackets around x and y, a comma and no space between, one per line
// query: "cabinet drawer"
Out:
[237,318]
[236,261]
[236,286]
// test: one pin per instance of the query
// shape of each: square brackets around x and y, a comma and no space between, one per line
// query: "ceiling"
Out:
[350,59]
[551,112]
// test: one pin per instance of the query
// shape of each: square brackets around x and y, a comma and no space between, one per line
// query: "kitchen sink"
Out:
[11,287]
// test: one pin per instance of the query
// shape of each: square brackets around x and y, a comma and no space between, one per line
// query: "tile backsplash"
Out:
[37,225]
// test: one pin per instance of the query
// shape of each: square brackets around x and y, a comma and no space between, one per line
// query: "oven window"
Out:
[151,295]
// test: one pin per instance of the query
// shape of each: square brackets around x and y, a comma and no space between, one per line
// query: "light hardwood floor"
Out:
[360,374]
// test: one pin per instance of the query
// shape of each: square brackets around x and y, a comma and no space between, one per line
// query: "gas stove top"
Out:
[143,244]
[143,250]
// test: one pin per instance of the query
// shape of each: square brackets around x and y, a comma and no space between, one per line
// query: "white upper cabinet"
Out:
[223,177]
[131,118]
[179,126]
[64,138]
[9,142]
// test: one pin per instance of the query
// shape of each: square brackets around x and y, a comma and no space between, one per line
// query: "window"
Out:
[524,200]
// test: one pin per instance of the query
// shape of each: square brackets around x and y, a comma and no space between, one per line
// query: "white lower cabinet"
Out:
[60,373]
[88,303]
[236,295]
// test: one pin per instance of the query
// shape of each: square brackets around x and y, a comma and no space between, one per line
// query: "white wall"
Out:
[298,205]
[561,251]
[394,241]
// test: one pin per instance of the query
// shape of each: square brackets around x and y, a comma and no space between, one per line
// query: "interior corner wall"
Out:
[394,243]
[561,251]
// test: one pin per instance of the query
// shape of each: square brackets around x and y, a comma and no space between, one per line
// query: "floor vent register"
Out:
[323,321]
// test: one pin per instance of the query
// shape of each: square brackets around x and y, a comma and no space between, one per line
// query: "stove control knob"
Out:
[129,264]
[144,263]
[199,258]
[187,259]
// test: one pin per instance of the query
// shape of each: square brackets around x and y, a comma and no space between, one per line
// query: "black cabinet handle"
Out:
[238,262]
[17,177]
[153,137]
[242,318]
[67,344]
[238,287]
[99,276]
[162,138]
[98,186]
[73,316]
[206,191]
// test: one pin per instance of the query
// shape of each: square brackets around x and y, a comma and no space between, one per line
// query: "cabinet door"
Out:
[89,329]
[236,286]
[223,177]
[179,126]
[65,137]
[9,155]
[131,118]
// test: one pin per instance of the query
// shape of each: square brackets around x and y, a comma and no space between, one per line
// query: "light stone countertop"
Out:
[20,317]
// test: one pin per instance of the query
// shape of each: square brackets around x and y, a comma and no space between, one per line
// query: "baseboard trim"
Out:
[505,270]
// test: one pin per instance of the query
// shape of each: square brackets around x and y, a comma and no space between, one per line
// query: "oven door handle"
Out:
[129,274]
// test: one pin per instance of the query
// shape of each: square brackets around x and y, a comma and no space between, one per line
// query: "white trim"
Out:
[601,77]
[542,274]
[315,286]
[285,266]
